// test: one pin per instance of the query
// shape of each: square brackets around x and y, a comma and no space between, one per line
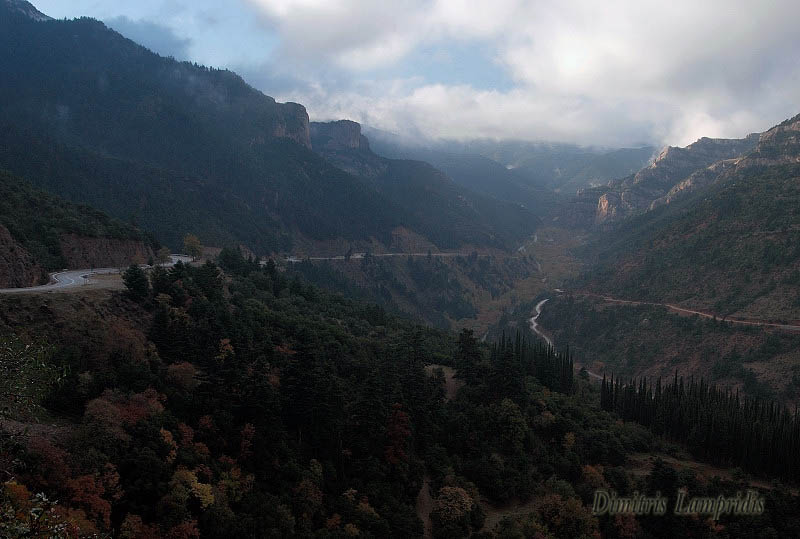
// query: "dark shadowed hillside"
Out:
[41,232]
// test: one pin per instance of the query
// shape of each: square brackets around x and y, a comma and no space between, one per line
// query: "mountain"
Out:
[40,232]
[731,246]
[178,148]
[23,9]
[471,170]
[444,212]
[674,172]
[513,169]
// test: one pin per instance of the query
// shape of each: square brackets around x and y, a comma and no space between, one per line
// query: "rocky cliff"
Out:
[85,252]
[778,146]
[341,135]
[17,266]
[676,171]
[342,144]
[291,121]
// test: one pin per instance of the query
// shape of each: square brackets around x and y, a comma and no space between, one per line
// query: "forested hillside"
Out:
[37,224]
[177,148]
[243,404]
[731,248]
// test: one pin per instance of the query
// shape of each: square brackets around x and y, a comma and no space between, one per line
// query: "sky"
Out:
[608,73]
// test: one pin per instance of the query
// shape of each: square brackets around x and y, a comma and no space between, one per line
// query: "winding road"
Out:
[80,277]
[535,325]
[536,329]
[682,310]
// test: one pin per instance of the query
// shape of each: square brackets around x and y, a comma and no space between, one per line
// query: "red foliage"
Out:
[184,530]
[53,470]
[113,409]
[87,491]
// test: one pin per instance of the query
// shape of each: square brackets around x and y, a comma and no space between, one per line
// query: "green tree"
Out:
[192,245]
[136,282]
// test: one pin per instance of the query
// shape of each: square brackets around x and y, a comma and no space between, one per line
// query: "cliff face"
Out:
[17,266]
[342,135]
[342,144]
[778,146]
[84,252]
[292,122]
[676,171]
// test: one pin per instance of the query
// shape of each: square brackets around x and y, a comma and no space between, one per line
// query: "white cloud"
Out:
[612,72]
[584,71]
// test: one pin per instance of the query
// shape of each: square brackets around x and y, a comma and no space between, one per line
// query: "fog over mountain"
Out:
[620,75]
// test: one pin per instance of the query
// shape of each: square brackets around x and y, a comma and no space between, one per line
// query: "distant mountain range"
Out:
[562,168]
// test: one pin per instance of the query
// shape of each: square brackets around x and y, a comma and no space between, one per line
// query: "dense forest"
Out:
[246,403]
[622,339]
[716,424]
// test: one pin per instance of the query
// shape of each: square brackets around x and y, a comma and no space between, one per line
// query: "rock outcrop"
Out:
[26,9]
[86,252]
[341,135]
[676,171]
[291,121]
[778,146]
[342,144]
[17,266]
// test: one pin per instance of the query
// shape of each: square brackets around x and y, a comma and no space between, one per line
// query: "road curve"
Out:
[535,325]
[535,328]
[80,277]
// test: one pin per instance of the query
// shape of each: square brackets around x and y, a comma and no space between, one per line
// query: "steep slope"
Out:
[17,267]
[668,175]
[174,144]
[41,232]
[732,247]
[433,205]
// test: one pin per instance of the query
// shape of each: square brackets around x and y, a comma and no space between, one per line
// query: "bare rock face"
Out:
[607,207]
[342,144]
[17,266]
[342,135]
[778,146]
[85,252]
[675,171]
[696,180]
[292,122]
